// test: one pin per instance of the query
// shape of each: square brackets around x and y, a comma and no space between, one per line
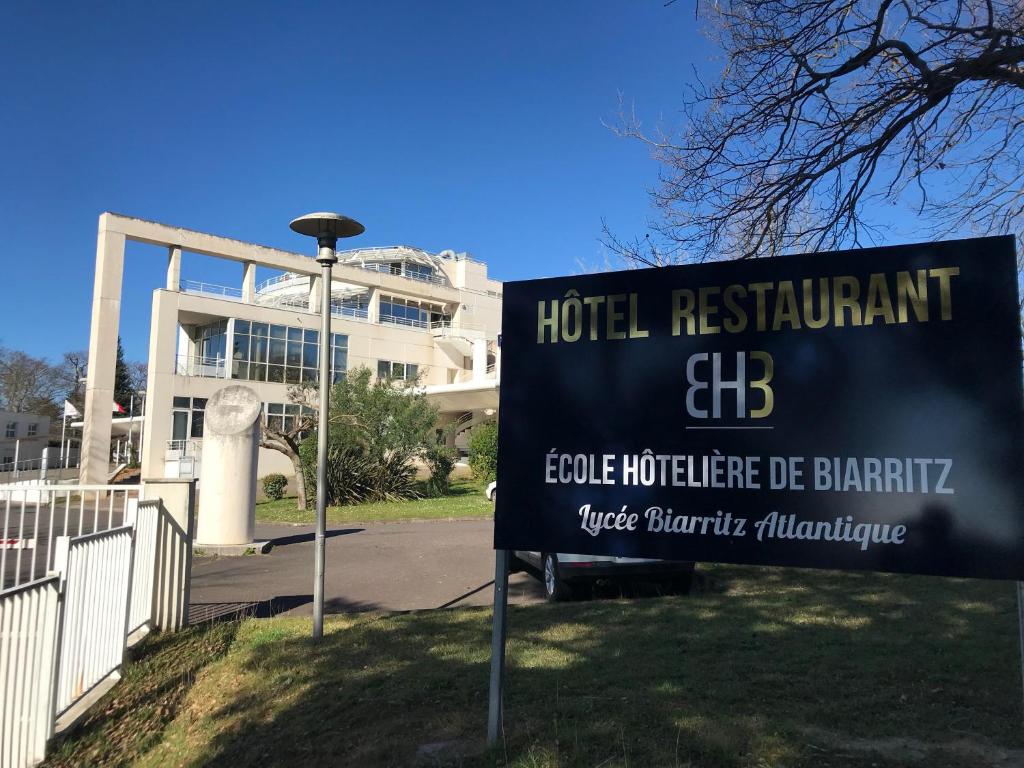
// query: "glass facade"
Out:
[281,353]
[419,272]
[352,306]
[212,341]
[404,312]
[388,369]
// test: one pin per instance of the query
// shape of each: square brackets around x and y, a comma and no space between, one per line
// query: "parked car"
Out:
[561,572]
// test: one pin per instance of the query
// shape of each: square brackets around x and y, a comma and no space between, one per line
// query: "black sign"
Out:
[854,410]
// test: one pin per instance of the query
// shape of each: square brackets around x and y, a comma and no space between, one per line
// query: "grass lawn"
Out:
[758,668]
[466,499]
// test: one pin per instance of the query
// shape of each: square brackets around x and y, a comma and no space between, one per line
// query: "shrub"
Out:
[274,485]
[354,478]
[441,461]
[483,451]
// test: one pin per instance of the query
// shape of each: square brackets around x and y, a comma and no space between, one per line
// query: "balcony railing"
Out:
[284,277]
[404,321]
[206,367]
[210,289]
[433,278]
[450,328]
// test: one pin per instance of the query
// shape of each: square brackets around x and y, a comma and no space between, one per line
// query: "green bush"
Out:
[274,485]
[354,478]
[483,451]
[441,461]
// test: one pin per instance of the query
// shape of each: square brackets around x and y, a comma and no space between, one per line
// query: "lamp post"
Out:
[326,228]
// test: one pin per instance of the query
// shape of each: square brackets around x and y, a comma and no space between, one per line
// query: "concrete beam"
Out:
[155,233]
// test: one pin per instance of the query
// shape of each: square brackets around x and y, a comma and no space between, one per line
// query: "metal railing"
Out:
[405,321]
[38,465]
[205,367]
[29,617]
[185,447]
[433,278]
[35,515]
[449,327]
[282,278]
[211,289]
[355,313]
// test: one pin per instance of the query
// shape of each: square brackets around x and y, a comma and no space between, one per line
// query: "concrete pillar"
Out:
[99,387]
[175,534]
[173,268]
[163,340]
[249,282]
[231,439]
[479,359]
[314,293]
[497,362]
[373,306]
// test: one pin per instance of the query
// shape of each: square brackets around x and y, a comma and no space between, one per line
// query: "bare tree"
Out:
[28,384]
[285,433]
[73,368]
[826,106]
[138,374]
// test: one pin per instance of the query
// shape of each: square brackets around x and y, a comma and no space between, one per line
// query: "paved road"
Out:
[379,566]
[28,529]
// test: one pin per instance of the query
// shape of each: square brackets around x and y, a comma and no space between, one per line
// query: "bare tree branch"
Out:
[825,107]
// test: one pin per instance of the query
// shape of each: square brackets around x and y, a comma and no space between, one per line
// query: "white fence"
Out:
[28,639]
[64,636]
[34,515]
[147,524]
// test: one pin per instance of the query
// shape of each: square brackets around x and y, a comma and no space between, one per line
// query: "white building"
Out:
[400,311]
[23,436]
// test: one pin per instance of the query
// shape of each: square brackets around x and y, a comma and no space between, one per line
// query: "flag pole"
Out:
[63,426]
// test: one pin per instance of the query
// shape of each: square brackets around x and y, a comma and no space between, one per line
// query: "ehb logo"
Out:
[741,380]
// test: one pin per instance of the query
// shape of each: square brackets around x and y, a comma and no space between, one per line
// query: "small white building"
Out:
[23,436]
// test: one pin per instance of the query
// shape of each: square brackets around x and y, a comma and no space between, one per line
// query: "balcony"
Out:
[205,367]
[406,322]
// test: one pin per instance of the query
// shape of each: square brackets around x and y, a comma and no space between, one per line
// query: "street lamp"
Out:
[326,228]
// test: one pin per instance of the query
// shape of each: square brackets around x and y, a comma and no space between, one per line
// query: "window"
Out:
[282,416]
[403,312]
[188,417]
[387,369]
[211,341]
[419,272]
[351,306]
[33,430]
[280,353]
[12,429]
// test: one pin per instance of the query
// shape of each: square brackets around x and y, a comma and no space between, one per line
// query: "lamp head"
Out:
[326,228]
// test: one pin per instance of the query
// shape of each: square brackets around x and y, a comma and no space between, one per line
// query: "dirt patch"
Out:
[962,751]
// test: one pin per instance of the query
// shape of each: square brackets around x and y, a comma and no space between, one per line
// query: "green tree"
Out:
[483,451]
[386,420]
[377,428]
[123,389]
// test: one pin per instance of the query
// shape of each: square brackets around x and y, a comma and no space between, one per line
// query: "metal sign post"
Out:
[1020,629]
[494,704]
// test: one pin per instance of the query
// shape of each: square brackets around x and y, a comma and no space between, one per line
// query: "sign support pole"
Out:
[1020,625]
[494,704]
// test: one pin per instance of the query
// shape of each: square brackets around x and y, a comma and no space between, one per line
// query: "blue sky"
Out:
[472,126]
